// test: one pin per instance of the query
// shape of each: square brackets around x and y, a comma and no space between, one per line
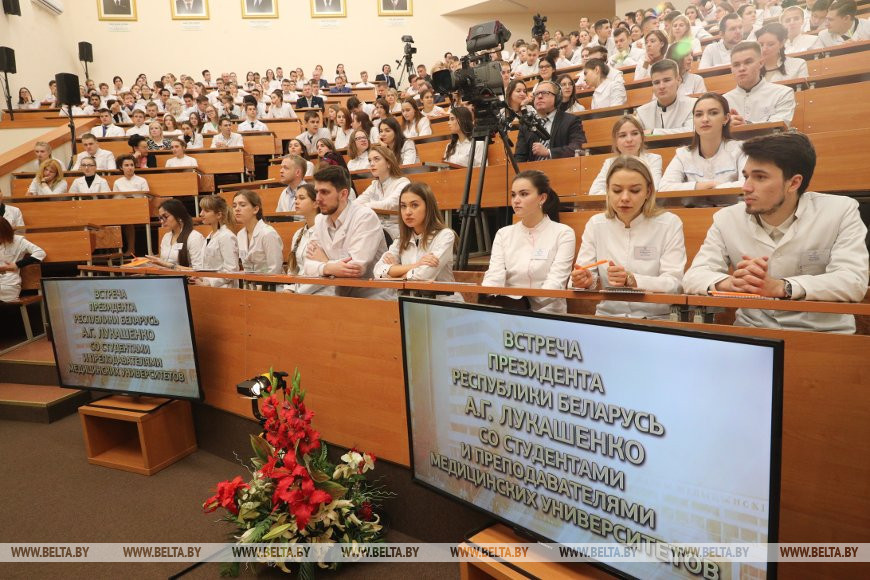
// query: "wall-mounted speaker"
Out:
[68,89]
[86,52]
[7,60]
[12,7]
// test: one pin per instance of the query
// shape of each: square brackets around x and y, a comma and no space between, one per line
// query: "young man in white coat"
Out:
[785,242]
[348,238]
[669,112]
[754,99]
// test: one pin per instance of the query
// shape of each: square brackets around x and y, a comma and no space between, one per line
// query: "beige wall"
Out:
[155,44]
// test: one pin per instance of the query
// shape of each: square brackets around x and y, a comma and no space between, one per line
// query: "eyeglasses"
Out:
[539,93]
[360,138]
[88,165]
[163,218]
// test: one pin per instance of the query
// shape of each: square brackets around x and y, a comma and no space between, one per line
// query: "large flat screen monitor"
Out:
[582,430]
[124,335]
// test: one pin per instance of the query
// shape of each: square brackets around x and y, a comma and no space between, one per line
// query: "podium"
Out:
[486,568]
[142,435]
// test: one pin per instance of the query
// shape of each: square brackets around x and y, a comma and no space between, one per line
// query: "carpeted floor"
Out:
[52,494]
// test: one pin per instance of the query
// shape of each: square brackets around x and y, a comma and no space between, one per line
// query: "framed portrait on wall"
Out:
[395,8]
[259,8]
[116,9]
[328,9]
[189,9]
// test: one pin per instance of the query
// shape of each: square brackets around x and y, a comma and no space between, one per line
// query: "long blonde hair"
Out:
[631,163]
[58,168]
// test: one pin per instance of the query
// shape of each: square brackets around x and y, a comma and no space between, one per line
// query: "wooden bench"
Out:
[102,212]
[285,229]
[66,246]
[161,182]
[31,275]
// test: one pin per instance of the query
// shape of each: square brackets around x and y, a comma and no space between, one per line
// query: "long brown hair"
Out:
[389,157]
[432,223]
[177,210]
[292,265]
[7,234]
[726,128]
[218,205]
[541,183]
[466,124]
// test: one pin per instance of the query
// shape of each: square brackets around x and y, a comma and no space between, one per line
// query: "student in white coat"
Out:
[306,204]
[358,150]
[15,253]
[793,19]
[460,124]
[181,246]
[90,182]
[105,159]
[755,100]
[537,251]
[776,66]
[221,250]
[691,83]
[713,159]
[425,246]
[388,183]
[656,47]
[785,242]
[12,215]
[643,245]
[719,53]
[607,92]
[390,134]
[844,24]
[348,238]
[129,181]
[49,179]
[226,138]
[628,139]
[180,158]
[414,122]
[291,174]
[669,112]
[261,249]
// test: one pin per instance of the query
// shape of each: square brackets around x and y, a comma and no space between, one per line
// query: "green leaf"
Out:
[261,447]
[336,490]
[230,569]
[276,531]
[318,476]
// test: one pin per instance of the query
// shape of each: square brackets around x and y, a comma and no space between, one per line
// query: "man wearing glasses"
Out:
[565,130]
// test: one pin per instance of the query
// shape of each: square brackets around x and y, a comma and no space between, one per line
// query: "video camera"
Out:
[408,40]
[539,27]
[479,80]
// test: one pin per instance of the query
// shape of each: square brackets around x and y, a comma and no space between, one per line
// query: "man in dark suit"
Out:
[259,7]
[395,5]
[189,8]
[327,6]
[117,7]
[385,76]
[566,131]
[307,100]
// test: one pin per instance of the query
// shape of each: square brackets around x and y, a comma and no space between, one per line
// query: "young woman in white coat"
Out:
[386,186]
[15,253]
[628,139]
[643,245]
[221,251]
[713,159]
[306,204]
[537,251]
[181,245]
[261,249]
[425,246]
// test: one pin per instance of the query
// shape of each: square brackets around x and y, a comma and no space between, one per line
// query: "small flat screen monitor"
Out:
[583,430]
[127,335]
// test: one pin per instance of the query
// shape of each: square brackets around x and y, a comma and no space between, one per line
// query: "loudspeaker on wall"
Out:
[67,89]
[86,52]
[7,60]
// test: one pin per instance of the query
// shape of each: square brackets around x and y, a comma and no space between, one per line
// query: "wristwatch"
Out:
[786,288]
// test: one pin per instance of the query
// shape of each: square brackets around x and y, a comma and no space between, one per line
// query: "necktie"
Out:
[104,130]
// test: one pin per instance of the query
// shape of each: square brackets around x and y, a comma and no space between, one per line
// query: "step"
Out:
[31,363]
[39,403]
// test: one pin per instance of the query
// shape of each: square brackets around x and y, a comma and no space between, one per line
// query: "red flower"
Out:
[365,511]
[225,496]
[303,500]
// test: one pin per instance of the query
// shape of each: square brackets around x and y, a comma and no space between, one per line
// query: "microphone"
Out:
[535,124]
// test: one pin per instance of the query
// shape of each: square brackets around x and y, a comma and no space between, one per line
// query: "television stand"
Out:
[142,435]
[486,568]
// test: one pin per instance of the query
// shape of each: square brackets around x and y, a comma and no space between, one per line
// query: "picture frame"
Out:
[328,9]
[395,7]
[189,9]
[117,10]
[259,8]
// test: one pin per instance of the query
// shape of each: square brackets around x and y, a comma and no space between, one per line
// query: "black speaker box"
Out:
[12,7]
[86,52]
[68,89]
[7,60]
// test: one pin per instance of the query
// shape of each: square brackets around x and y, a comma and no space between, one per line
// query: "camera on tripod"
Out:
[539,27]
[479,80]
[409,40]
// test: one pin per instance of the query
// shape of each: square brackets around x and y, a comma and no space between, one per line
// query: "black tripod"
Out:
[485,129]
[406,65]
[72,133]
[8,96]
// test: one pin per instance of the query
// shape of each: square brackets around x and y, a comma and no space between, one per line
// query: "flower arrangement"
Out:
[296,495]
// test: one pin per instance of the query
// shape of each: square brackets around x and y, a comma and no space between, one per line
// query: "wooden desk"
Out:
[161,182]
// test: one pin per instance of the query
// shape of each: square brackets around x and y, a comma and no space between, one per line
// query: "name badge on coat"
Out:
[646,253]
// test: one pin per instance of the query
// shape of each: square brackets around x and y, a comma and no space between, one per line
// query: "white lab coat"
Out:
[860,32]
[766,102]
[221,254]
[652,160]
[692,84]
[385,195]
[358,235]
[186,161]
[688,167]
[195,245]
[299,246]
[235,140]
[715,54]
[105,160]
[13,215]
[652,249]
[419,129]
[675,118]
[541,257]
[441,246]
[610,93]
[10,282]
[461,152]
[795,68]
[98,185]
[801,43]
[263,253]
[37,188]
[823,254]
